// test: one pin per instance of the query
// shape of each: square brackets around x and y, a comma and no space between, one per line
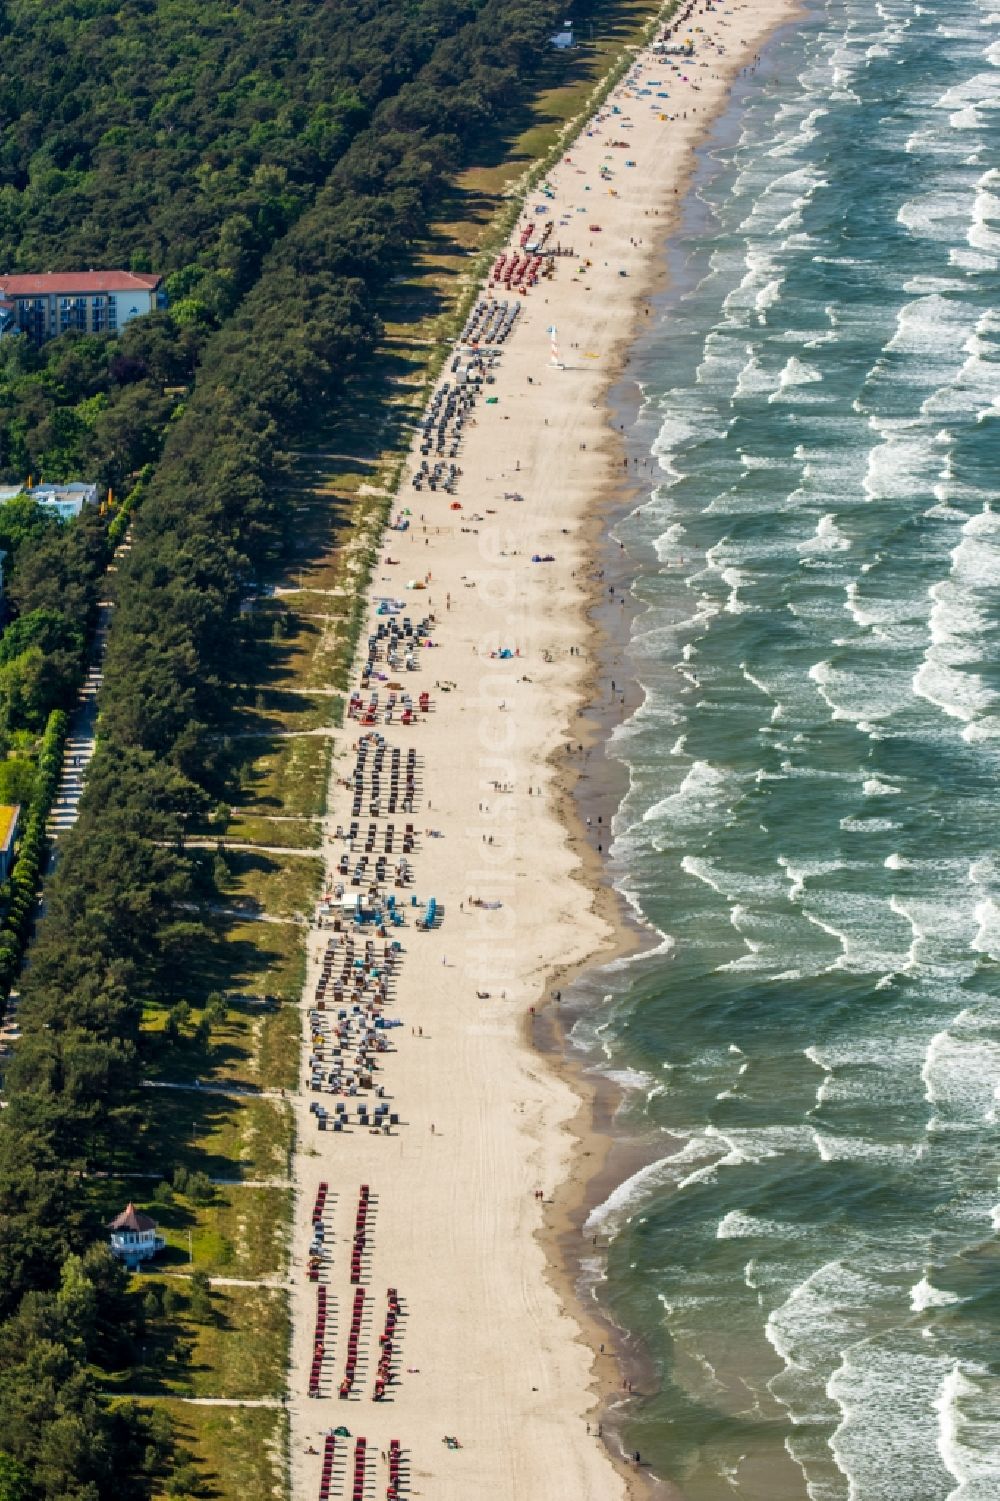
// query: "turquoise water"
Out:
[812,821]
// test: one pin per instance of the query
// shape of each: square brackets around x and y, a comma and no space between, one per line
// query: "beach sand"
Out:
[486,1349]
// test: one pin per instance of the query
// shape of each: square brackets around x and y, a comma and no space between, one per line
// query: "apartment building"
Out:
[95,302]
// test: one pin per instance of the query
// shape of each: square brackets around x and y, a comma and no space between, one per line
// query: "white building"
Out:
[95,302]
[68,500]
[134,1238]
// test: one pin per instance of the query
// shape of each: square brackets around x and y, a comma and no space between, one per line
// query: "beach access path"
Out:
[485,1348]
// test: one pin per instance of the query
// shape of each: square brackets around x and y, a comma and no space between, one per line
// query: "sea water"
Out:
[812,825]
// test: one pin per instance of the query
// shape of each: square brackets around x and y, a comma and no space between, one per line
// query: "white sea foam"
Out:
[961,1073]
[769,938]
[974,384]
[971,260]
[870,611]
[987,939]
[757,682]
[702,870]
[824,1088]
[867,825]
[962,695]
[799,871]
[983,870]
[920,286]
[624,1200]
[968,1408]
[631,1080]
[936,216]
[899,1458]
[737,579]
[819,1317]
[928,330]
[860,699]
[681,428]
[833,1148]
[982,234]
[875,787]
[737,1148]
[924,1295]
[759,461]
[901,468]
[961,615]
[703,794]
[828,928]
[768,296]
[753,379]
[668,543]
[760,287]
[828,539]
[737,1225]
[798,373]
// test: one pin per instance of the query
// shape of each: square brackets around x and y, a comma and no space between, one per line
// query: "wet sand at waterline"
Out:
[485,1348]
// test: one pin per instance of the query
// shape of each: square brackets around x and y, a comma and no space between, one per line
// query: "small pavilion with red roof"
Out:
[134,1237]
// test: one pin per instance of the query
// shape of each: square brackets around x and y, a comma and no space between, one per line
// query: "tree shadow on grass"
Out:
[179,1124]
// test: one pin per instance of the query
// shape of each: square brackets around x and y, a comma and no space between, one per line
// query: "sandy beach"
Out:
[483,1348]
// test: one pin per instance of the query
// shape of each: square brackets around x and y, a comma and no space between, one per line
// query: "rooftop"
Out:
[131,1219]
[8,823]
[78,283]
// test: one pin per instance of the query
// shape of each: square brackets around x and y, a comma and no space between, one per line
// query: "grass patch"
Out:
[244,961]
[279,1045]
[257,959]
[291,833]
[238,1453]
[256,1045]
[278,711]
[286,776]
[299,644]
[243,1232]
[280,885]
[237,1348]
[223,1136]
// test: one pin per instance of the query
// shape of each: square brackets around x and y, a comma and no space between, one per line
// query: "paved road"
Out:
[313,852]
[202,1401]
[244,1091]
[80,740]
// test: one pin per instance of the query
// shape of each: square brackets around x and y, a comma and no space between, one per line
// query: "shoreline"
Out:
[619,1153]
[479,1191]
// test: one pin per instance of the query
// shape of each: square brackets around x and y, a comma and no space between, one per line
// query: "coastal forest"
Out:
[276,163]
